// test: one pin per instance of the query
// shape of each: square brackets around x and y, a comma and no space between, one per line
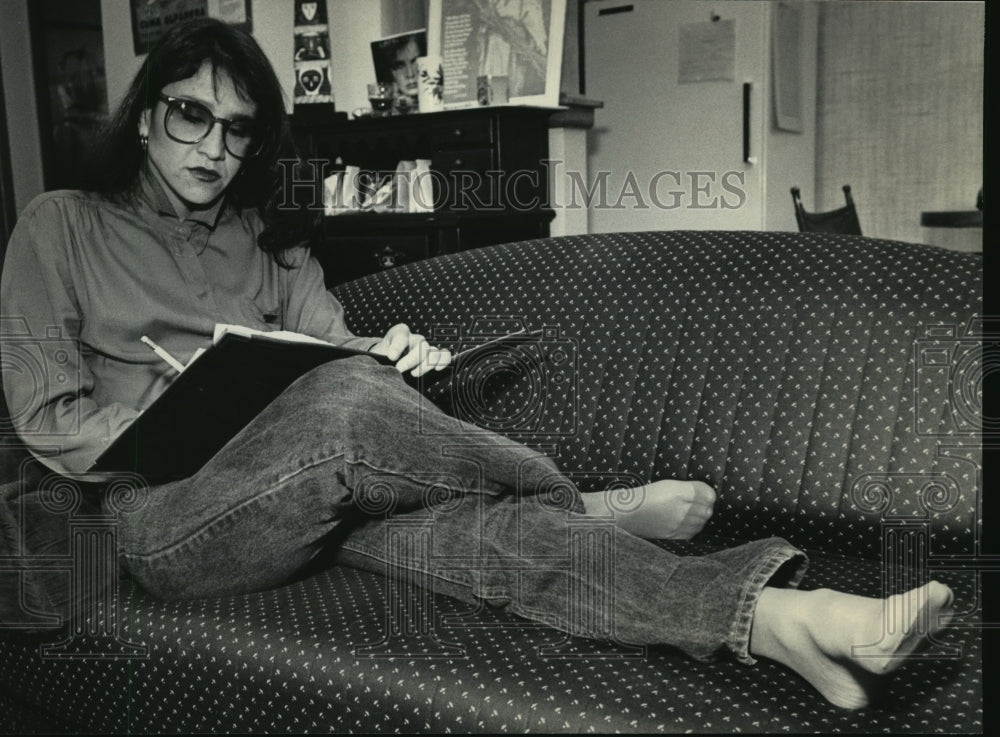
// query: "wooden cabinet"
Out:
[489,181]
[362,243]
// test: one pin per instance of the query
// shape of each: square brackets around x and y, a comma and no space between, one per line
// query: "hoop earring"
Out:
[143,141]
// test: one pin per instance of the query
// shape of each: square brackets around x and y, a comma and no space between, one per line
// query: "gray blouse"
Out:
[85,278]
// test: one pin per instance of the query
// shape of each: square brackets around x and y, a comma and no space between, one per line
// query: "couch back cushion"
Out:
[825,385]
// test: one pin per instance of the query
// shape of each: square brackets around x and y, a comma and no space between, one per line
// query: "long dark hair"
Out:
[119,157]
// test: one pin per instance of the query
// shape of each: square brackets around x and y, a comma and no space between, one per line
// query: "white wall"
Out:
[357,23]
[19,91]
[900,117]
[354,24]
[120,64]
[791,156]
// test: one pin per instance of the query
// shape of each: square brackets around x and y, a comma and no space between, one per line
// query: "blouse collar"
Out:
[155,194]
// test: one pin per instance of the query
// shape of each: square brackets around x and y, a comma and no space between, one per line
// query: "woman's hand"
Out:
[411,351]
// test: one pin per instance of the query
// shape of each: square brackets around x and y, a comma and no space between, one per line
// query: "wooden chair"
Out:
[841,220]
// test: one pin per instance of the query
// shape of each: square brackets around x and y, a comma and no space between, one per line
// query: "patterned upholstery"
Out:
[779,367]
[788,370]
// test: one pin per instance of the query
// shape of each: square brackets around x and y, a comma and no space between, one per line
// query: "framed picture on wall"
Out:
[519,39]
[786,48]
[153,18]
[70,85]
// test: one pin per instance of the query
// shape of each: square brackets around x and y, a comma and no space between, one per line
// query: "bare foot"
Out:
[841,643]
[674,510]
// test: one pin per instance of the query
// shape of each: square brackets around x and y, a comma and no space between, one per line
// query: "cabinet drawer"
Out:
[346,257]
[462,132]
[463,182]
[464,159]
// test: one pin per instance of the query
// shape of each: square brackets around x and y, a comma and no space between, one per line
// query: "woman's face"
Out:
[404,68]
[196,173]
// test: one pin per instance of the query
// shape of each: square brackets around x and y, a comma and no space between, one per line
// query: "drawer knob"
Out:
[458,162]
[388,257]
[458,133]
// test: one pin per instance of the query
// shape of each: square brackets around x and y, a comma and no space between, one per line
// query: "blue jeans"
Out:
[352,463]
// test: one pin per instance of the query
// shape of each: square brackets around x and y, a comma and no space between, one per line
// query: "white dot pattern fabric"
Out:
[285,661]
[785,369]
[782,368]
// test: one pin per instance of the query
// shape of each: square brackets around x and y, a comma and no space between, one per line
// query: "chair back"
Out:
[842,220]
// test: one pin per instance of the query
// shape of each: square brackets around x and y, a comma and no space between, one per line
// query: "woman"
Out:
[171,239]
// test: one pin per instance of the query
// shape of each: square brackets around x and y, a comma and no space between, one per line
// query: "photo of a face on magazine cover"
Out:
[395,60]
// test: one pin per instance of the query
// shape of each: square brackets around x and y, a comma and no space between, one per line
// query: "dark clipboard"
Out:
[210,402]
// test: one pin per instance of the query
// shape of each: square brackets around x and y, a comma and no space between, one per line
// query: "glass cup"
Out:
[380,96]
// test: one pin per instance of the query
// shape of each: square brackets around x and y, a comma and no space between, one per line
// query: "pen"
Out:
[491,341]
[174,363]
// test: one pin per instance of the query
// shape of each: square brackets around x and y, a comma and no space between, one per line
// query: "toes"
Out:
[705,497]
[665,509]
[945,596]
[704,492]
[907,620]
[939,600]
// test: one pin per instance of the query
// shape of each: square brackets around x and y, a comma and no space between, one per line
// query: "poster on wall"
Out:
[153,18]
[518,39]
[313,69]
[72,93]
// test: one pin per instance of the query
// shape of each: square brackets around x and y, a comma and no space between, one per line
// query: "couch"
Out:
[826,386]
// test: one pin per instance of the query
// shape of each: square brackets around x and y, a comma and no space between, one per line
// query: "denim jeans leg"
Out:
[342,440]
[580,574]
[350,439]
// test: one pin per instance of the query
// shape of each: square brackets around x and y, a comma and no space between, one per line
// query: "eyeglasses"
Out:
[187,121]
